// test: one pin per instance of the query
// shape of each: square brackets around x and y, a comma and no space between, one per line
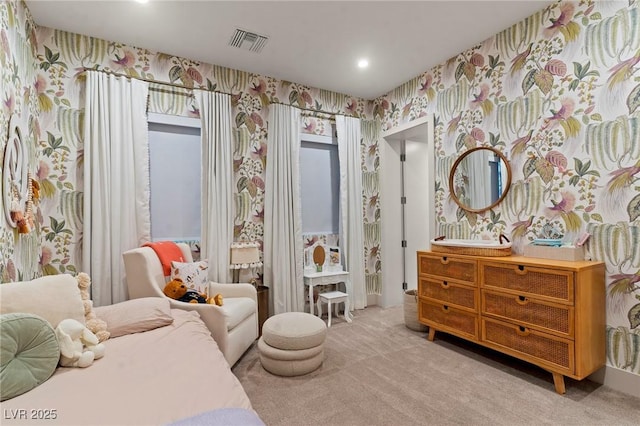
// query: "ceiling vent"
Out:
[247,40]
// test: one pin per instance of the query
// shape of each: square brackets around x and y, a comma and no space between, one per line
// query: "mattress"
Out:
[151,378]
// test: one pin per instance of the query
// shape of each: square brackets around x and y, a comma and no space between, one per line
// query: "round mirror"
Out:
[480,179]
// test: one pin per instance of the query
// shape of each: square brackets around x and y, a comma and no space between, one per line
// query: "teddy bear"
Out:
[93,323]
[176,289]
[79,347]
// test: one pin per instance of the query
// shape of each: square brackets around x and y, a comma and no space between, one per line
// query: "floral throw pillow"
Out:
[194,275]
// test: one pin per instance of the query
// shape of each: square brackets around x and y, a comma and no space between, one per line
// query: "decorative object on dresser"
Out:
[472,247]
[548,313]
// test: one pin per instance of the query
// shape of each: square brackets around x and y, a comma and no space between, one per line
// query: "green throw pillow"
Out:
[29,353]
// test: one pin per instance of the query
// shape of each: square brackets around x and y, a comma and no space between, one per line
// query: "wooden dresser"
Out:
[546,312]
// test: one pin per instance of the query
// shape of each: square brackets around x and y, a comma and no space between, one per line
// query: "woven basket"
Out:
[411,311]
[473,251]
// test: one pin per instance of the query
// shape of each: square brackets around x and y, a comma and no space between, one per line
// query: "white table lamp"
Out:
[244,256]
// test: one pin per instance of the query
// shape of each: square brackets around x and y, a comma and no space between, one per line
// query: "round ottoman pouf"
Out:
[292,343]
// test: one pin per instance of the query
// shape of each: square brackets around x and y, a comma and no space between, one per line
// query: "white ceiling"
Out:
[316,43]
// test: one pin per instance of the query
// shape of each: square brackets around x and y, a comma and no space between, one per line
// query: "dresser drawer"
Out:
[448,267]
[449,319]
[548,316]
[528,344]
[529,281]
[448,292]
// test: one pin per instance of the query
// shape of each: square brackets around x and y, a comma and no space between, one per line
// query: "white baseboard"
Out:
[620,380]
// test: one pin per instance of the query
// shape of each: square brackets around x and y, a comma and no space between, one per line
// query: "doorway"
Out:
[407,195]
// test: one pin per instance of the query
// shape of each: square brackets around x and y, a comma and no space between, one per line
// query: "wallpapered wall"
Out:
[57,93]
[559,95]
[18,91]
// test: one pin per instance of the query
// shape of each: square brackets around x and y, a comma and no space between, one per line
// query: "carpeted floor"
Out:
[378,372]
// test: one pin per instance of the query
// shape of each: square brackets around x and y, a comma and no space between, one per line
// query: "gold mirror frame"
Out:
[318,255]
[506,186]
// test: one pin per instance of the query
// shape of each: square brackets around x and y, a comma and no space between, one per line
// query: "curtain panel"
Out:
[217,182]
[283,267]
[116,180]
[351,211]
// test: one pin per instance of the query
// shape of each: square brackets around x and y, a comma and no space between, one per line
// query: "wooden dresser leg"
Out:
[432,334]
[558,381]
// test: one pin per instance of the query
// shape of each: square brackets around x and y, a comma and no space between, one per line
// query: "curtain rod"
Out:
[163,83]
[309,110]
[183,87]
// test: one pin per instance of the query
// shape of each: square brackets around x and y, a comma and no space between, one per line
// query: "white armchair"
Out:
[234,326]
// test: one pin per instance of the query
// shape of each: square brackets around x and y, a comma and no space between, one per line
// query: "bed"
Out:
[163,366]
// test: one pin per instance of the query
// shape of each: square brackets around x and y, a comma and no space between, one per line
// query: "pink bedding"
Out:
[149,378]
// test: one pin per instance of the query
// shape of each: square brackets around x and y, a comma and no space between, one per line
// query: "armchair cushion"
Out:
[237,309]
[195,275]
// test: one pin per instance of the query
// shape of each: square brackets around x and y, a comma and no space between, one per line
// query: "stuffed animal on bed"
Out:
[96,325]
[176,289]
[79,347]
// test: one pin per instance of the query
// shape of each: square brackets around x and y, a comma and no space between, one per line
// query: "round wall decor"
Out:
[16,185]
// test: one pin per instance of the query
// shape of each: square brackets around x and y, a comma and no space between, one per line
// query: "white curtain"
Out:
[116,181]
[351,213]
[217,182]
[283,268]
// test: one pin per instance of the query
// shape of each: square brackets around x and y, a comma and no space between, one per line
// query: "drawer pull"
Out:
[521,270]
[444,260]
[521,300]
[444,284]
[445,309]
[522,331]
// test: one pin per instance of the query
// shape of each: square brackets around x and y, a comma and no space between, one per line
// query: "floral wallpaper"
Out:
[559,95]
[60,59]
[18,90]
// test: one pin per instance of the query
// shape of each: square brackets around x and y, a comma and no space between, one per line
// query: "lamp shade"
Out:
[245,255]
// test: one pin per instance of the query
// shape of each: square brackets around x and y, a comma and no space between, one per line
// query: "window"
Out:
[319,184]
[174,172]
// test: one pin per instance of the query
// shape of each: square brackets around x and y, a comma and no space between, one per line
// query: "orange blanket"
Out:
[167,252]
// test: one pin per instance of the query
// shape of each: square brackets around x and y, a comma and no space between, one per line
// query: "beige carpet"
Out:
[378,372]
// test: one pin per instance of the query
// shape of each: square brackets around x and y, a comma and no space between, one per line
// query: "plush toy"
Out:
[176,289]
[79,347]
[96,325]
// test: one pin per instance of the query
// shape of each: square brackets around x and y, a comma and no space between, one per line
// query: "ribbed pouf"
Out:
[292,343]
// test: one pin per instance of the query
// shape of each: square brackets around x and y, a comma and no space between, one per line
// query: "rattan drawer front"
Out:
[449,292]
[529,344]
[448,267]
[548,283]
[530,312]
[449,319]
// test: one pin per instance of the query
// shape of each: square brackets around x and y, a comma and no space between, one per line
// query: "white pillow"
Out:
[54,298]
[194,275]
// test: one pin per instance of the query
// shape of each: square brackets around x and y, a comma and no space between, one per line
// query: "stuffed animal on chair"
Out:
[176,289]
[79,347]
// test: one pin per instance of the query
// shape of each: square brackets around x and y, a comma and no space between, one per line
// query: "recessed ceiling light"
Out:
[363,63]
[143,1]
